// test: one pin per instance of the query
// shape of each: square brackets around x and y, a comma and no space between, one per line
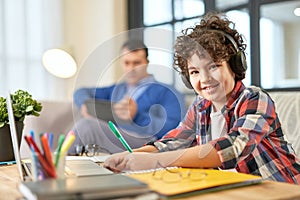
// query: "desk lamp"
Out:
[59,63]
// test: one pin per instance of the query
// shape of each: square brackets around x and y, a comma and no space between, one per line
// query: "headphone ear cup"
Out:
[238,62]
[243,60]
[186,81]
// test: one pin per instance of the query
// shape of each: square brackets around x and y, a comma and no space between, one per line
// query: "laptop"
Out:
[101,109]
[116,186]
[13,133]
[80,167]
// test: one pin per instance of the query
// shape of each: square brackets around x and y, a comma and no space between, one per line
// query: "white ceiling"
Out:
[282,12]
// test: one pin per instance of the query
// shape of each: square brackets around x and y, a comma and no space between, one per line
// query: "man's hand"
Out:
[125,109]
[84,112]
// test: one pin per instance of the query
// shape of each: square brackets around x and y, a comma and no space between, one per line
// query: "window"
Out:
[24,27]
[174,16]
[241,20]
[280,45]
[270,29]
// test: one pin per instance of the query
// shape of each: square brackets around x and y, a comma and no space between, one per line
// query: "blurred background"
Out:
[29,28]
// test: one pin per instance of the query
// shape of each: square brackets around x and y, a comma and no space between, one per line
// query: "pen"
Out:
[47,151]
[71,132]
[42,160]
[50,139]
[67,143]
[114,129]
[60,142]
[32,134]
[34,161]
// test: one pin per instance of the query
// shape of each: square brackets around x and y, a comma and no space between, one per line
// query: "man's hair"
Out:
[135,45]
[202,40]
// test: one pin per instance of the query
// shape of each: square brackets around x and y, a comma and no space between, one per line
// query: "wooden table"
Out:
[9,180]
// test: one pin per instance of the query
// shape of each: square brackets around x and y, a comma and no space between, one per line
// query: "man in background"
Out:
[145,108]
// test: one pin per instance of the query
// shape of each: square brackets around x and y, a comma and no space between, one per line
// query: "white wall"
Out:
[292,44]
[89,24]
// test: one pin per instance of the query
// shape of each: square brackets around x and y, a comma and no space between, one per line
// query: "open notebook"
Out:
[73,167]
[176,182]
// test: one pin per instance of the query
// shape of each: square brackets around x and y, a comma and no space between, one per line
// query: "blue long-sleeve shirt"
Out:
[160,106]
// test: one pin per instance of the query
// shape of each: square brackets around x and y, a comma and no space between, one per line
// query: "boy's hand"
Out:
[115,162]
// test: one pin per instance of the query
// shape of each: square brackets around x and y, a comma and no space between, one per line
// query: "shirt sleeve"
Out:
[82,94]
[160,109]
[254,119]
[181,137]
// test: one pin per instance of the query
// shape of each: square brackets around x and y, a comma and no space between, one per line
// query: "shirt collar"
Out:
[237,90]
[134,91]
[148,79]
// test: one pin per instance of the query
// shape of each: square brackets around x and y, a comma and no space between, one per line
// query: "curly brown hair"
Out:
[209,37]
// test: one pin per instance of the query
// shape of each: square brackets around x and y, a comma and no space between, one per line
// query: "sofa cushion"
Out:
[56,117]
[287,105]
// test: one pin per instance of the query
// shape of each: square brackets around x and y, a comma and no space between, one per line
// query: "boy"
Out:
[228,126]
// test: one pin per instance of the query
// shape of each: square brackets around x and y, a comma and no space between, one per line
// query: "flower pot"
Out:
[6,148]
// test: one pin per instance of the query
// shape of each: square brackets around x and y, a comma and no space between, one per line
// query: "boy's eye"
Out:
[193,72]
[214,66]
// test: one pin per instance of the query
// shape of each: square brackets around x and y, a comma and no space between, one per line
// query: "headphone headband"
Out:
[229,37]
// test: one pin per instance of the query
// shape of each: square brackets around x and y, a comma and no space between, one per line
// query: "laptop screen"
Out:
[14,138]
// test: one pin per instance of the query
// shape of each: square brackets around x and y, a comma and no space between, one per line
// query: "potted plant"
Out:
[23,104]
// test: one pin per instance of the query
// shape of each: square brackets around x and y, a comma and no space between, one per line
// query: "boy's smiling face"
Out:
[213,81]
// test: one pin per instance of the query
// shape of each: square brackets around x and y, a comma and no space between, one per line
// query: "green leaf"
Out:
[23,104]
[29,109]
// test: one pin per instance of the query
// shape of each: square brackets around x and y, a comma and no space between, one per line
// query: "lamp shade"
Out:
[59,63]
[297,11]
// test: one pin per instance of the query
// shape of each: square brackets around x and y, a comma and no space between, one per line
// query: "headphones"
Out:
[237,61]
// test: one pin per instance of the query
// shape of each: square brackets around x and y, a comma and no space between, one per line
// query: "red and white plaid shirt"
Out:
[254,142]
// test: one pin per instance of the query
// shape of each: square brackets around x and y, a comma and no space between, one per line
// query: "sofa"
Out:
[58,117]
[287,105]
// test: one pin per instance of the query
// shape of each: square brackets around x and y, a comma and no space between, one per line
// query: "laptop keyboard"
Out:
[74,168]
